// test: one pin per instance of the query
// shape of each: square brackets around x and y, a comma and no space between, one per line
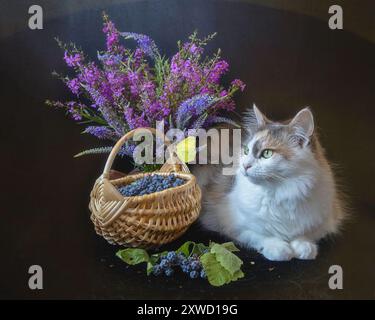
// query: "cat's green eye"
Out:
[246,150]
[266,153]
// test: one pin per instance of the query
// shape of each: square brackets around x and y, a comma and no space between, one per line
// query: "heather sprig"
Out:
[102,132]
[192,108]
[145,43]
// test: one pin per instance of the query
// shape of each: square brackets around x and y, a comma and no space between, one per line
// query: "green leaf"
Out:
[230,246]
[185,248]
[154,258]
[199,249]
[217,275]
[150,266]
[226,258]
[133,256]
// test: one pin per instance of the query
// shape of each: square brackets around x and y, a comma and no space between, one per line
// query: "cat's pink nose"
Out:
[246,166]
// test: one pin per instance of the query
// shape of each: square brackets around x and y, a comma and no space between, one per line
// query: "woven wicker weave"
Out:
[149,220]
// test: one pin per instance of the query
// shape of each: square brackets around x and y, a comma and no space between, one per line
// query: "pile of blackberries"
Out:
[150,184]
[189,265]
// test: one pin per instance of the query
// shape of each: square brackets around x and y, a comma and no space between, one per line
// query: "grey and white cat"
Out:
[283,198]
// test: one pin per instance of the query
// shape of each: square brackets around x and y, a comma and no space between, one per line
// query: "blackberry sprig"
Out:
[218,263]
[172,260]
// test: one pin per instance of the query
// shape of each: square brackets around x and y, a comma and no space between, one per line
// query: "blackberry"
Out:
[195,265]
[180,257]
[185,266]
[157,270]
[203,274]
[164,263]
[171,256]
[185,269]
[169,272]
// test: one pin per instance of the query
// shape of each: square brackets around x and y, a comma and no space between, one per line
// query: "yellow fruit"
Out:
[186,149]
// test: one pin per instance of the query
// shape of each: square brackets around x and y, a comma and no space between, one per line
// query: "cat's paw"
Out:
[277,250]
[304,249]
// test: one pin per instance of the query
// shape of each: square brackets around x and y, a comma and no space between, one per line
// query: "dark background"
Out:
[288,59]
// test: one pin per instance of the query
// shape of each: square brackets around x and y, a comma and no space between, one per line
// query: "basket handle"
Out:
[173,163]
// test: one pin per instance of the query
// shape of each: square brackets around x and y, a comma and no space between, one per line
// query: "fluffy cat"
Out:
[283,197]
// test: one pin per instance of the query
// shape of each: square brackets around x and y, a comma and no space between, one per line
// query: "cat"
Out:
[283,197]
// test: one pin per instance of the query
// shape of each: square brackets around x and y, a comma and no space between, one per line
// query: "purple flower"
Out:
[106,91]
[73,60]
[112,36]
[127,150]
[116,83]
[97,98]
[133,120]
[113,119]
[193,48]
[74,109]
[156,110]
[227,104]
[176,63]
[102,132]
[90,75]
[223,93]
[206,90]
[217,71]
[138,57]
[148,88]
[110,59]
[187,69]
[112,39]
[134,79]
[73,85]
[239,84]
[129,117]
[193,107]
[145,43]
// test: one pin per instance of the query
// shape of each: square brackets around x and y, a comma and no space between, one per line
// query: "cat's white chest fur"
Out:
[273,212]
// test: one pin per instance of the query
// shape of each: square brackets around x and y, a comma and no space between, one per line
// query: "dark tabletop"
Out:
[287,61]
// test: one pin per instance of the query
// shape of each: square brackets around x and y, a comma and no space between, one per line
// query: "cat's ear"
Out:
[259,116]
[254,119]
[303,125]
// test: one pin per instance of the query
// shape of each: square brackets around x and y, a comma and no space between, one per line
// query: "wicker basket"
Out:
[149,220]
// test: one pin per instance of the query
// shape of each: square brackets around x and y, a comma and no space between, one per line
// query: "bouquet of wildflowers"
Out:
[130,88]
